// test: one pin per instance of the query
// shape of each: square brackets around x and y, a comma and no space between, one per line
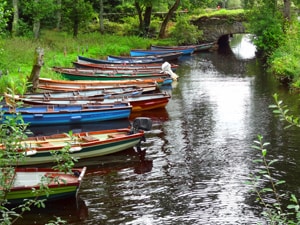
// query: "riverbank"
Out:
[60,49]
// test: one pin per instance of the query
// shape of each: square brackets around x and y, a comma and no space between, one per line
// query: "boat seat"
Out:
[45,145]
[116,135]
[89,138]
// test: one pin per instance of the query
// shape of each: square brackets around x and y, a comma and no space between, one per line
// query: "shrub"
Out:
[184,32]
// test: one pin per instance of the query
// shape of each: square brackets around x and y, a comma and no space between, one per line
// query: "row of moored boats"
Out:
[94,90]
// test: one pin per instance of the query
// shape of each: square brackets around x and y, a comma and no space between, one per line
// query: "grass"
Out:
[60,49]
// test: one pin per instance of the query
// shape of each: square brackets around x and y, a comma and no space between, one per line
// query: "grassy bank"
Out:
[60,49]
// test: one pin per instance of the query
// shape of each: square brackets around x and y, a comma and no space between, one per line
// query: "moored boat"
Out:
[138,102]
[67,114]
[91,94]
[112,72]
[125,66]
[145,52]
[74,74]
[60,185]
[46,84]
[84,145]
[197,47]
[120,62]
[166,57]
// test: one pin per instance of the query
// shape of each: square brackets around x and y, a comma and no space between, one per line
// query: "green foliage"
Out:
[267,26]
[266,186]
[12,131]
[184,32]
[4,16]
[273,211]
[76,14]
[284,61]
[282,111]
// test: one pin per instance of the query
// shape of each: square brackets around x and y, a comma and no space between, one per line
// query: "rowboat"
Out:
[120,62]
[91,62]
[75,74]
[166,57]
[84,145]
[138,102]
[144,52]
[67,114]
[97,94]
[162,79]
[79,127]
[197,48]
[60,185]
[46,84]
[110,72]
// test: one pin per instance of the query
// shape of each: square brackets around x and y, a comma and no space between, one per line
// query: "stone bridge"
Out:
[219,28]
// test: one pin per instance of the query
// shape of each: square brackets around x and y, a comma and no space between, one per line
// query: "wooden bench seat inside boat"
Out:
[89,138]
[45,144]
[116,135]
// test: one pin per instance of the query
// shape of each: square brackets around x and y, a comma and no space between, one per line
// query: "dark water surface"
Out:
[198,154]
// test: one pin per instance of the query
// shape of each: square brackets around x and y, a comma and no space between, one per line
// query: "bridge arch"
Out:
[218,29]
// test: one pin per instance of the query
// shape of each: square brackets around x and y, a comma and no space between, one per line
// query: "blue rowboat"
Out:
[120,62]
[145,52]
[68,114]
[166,57]
[197,47]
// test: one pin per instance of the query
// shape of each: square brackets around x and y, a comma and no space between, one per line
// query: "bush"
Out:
[184,32]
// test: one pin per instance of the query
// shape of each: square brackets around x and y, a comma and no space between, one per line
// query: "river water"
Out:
[198,155]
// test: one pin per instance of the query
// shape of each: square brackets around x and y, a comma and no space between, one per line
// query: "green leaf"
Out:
[264,152]
[267,190]
[280,182]
[273,161]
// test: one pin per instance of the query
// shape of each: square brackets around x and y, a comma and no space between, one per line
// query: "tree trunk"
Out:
[162,32]
[36,28]
[36,25]
[287,9]
[58,15]
[15,18]
[35,72]
[139,11]
[147,20]
[75,27]
[101,17]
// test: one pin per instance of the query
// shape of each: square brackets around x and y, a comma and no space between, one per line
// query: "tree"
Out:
[76,13]
[4,13]
[15,22]
[144,8]
[38,10]
[167,19]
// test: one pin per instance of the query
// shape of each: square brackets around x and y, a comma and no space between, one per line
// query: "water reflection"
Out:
[76,128]
[198,154]
[71,210]
[243,47]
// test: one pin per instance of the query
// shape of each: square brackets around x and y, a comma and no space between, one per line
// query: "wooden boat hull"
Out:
[83,145]
[97,94]
[149,85]
[166,57]
[86,64]
[197,48]
[28,178]
[120,62]
[105,72]
[79,75]
[68,114]
[138,102]
[145,52]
